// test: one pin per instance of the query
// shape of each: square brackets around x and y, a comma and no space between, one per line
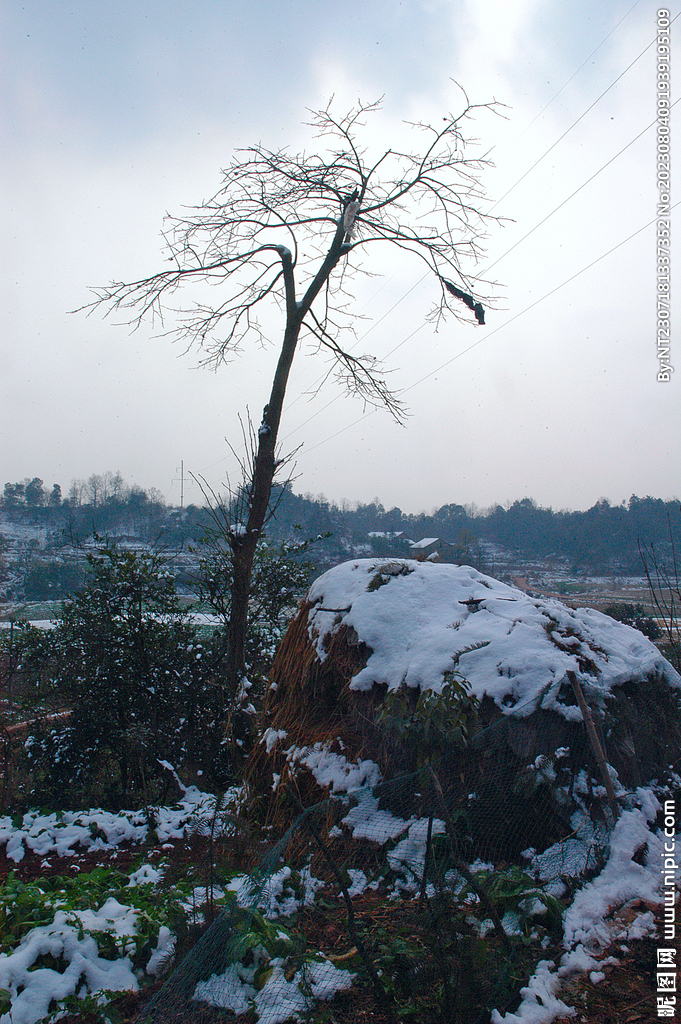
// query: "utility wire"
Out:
[574,75]
[495,331]
[530,232]
[573,194]
[536,302]
[576,122]
[535,164]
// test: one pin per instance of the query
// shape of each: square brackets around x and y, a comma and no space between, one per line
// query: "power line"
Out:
[495,331]
[527,235]
[538,225]
[576,122]
[574,75]
[573,194]
[320,380]
[535,303]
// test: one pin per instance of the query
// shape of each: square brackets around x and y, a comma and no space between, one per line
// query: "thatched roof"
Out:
[373,625]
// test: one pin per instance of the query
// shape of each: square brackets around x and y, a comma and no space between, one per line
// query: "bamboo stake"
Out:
[595,744]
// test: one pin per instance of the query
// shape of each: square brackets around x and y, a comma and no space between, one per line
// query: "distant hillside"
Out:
[40,531]
[603,538]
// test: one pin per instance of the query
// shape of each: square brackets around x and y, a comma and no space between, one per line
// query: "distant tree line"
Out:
[605,537]
[103,504]
[99,491]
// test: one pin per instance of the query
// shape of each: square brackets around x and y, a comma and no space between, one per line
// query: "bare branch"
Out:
[360,375]
[428,203]
[288,231]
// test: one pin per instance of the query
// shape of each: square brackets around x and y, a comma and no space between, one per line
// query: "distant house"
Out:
[432,549]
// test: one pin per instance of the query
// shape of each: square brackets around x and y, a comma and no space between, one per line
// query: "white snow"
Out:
[420,621]
[423,619]
[359,881]
[409,856]
[278,999]
[540,1004]
[71,936]
[368,821]
[67,937]
[334,770]
[276,898]
[621,880]
[65,832]
[271,737]
[590,922]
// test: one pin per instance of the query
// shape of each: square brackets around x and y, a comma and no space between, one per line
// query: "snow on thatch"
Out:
[423,620]
[370,626]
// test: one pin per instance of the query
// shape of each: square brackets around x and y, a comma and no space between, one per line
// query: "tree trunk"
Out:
[244,542]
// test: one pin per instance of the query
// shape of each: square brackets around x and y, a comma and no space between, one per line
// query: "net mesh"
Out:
[434,894]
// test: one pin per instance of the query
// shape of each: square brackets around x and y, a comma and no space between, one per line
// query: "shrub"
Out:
[635,615]
[139,684]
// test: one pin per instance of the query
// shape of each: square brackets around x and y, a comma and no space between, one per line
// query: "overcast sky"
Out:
[116,113]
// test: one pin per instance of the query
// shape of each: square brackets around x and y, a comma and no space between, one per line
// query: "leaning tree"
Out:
[289,230]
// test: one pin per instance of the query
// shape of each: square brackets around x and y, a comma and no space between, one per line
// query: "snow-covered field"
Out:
[77,950]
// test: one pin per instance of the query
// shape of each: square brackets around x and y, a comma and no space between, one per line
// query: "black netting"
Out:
[436,892]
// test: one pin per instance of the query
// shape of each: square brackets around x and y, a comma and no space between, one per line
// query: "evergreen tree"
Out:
[136,684]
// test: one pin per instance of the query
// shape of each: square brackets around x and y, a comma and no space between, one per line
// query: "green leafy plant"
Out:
[281,574]
[96,1009]
[43,924]
[513,890]
[430,721]
[27,905]
[134,681]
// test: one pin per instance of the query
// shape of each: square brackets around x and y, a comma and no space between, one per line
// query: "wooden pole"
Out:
[595,744]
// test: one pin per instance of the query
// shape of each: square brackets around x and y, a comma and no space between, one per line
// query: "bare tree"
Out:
[95,487]
[664,585]
[76,492]
[287,229]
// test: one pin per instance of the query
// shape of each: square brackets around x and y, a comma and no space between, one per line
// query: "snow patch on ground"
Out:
[621,880]
[368,821]
[279,999]
[64,832]
[69,938]
[589,923]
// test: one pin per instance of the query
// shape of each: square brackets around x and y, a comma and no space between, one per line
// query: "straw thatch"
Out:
[312,706]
